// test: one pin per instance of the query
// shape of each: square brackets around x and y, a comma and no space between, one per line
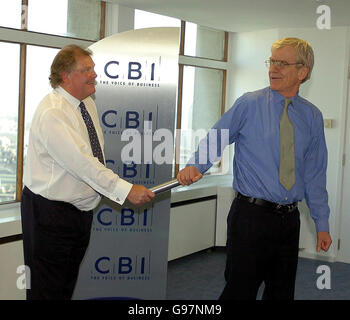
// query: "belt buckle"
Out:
[287,208]
[251,200]
[282,208]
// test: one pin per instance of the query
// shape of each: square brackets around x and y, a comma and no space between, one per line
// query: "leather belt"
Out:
[280,208]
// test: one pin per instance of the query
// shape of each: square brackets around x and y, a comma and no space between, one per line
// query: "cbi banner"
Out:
[137,74]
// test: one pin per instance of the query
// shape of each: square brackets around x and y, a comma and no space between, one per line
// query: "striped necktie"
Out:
[95,144]
[287,161]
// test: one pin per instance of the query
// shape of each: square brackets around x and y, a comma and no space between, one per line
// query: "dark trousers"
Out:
[55,237]
[262,246]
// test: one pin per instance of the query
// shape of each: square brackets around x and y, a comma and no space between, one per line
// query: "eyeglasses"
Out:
[87,70]
[280,63]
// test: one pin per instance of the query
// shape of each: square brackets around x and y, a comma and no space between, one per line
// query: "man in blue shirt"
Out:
[264,222]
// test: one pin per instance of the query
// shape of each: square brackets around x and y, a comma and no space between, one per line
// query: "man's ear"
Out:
[303,72]
[64,76]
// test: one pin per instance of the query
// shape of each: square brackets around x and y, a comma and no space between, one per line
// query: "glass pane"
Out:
[39,61]
[201,108]
[84,19]
[9,65]
[144,19]
[10,13]
[48,16]
[204,42]
[74,18]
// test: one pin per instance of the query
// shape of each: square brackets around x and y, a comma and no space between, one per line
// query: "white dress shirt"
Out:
[60,164]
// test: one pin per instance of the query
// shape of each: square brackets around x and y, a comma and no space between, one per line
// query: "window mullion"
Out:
[21,123]
[103,20]
[182,39]
[178,120]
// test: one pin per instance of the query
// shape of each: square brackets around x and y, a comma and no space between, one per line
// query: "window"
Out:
[26,65]
[48,16]
[204,42]
[202,87]
[38,64]
[144,19]
[10,13]
[201,108]
[74,18]
[9,120]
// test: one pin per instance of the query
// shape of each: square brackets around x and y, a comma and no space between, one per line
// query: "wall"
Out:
[328,92]
[327,89]
[247,71]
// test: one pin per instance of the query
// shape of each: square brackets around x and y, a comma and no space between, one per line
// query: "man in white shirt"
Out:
[65,177]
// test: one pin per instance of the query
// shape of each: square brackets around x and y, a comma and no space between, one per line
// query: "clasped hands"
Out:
[140,195]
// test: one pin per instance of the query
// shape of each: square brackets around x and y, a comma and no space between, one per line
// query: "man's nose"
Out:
[273,68]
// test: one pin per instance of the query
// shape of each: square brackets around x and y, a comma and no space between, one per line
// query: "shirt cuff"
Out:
[200,168]
[122,190]
[322,225]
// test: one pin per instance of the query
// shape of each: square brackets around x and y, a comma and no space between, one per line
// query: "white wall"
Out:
[247,71]
[327,89]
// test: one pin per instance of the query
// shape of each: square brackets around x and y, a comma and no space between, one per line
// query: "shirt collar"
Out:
[71,100]
[280,99]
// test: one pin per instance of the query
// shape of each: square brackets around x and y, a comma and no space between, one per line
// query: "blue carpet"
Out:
[200,276]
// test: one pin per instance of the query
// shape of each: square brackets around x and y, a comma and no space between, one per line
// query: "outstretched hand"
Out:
[140,195]
[189,175]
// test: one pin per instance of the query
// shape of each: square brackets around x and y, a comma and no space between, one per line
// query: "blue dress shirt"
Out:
[253,125]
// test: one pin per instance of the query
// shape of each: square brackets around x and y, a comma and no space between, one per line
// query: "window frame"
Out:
[201,62]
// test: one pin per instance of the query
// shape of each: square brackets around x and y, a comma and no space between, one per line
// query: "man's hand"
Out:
[140,195]
[188,175]
[323,241]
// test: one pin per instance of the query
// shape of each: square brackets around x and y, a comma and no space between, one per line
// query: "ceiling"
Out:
[246,15]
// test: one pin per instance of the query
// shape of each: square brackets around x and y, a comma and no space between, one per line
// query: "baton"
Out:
[165,186]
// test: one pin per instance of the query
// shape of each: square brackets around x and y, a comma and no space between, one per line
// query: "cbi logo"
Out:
[132,70]
[127,218]
[138,265]
[130,120]
[132,170]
